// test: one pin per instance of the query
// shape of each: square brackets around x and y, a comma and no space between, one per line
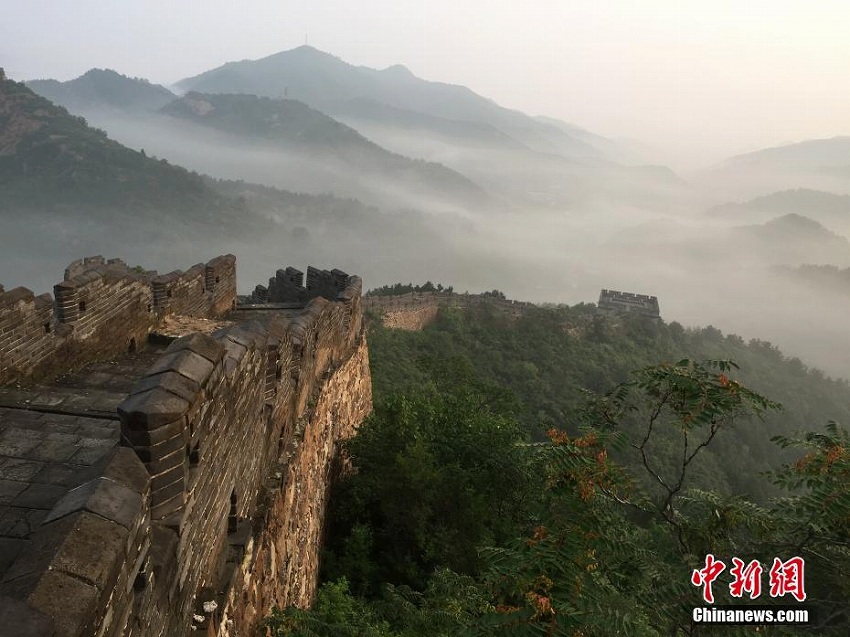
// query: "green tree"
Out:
[439,473]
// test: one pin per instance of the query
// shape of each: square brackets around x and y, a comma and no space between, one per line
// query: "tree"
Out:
[439,473]
[608,553]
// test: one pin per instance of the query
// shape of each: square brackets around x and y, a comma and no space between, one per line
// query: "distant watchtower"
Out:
[2,74]
[614,301]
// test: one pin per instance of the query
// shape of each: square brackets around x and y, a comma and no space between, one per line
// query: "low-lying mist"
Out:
[702,273]
[558,231]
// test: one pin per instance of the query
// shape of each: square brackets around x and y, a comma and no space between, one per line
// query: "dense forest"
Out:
[567,472]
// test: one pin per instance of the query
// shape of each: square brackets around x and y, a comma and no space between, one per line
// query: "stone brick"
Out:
[10,489]
[39,496]
[70,602]
[153,437]
[172,382]
[94,552]
[19,469]
[125,468]
[193,366]
[200,344]
[102,496]
[152,409]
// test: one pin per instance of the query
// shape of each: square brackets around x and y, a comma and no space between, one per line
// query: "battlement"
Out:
[614,301]
[102,308]
[210,482]
[287,286]
[415,310]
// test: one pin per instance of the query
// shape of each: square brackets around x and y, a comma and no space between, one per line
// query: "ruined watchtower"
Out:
[614,301]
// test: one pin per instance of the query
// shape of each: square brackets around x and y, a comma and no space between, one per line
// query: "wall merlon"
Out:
[153,437]
[200,344]
[15,296]
[186,363]
[172,382]
[102,496]
[151,409]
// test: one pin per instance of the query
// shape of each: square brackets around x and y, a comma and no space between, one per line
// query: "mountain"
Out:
[814,154]
[104,88]
[789,240]
[351,165]
[830,210]
[532,163]
[330,84]
[816,164]
[793,239]
[53,161]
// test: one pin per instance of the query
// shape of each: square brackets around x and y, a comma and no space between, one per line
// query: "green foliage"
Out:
[335,613]
[60,163]
[606,558]
[439,474]
[595,531]
[449,605]
[549,356]
[398,289]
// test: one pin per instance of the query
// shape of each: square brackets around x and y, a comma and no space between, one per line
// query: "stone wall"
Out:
[27,333]
[238,432]
[416,310]
[102,308]
[287,286]
[614,301]
[201,291]
[280,566]
[229,443]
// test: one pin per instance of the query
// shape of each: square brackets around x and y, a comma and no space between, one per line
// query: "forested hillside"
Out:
[548,357]
[53,161]
[564,473]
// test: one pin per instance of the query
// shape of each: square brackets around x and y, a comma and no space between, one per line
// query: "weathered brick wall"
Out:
[182,292]
[204,290]
[232,439]
[102,308]
[109,309]
[221,282]
[415,310]
[280,566]
[214,422]
[288,286]
[27,333]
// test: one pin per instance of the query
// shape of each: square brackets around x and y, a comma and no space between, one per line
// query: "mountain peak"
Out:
[98,88]
[399,70]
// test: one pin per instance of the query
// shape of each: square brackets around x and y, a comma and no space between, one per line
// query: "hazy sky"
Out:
[713,76]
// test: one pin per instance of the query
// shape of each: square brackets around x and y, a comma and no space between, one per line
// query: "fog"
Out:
[563,231]
[653,196]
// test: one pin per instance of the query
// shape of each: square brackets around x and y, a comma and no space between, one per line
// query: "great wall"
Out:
[415,310]
[167,447]
[165,455]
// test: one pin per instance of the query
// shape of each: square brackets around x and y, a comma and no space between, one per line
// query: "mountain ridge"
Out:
[325,81]
[104,88]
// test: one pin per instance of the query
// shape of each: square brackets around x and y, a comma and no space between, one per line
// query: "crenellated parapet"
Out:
[218,416]
[211,482]
[287,286]
[415,310]
[643,304]
[102,308]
